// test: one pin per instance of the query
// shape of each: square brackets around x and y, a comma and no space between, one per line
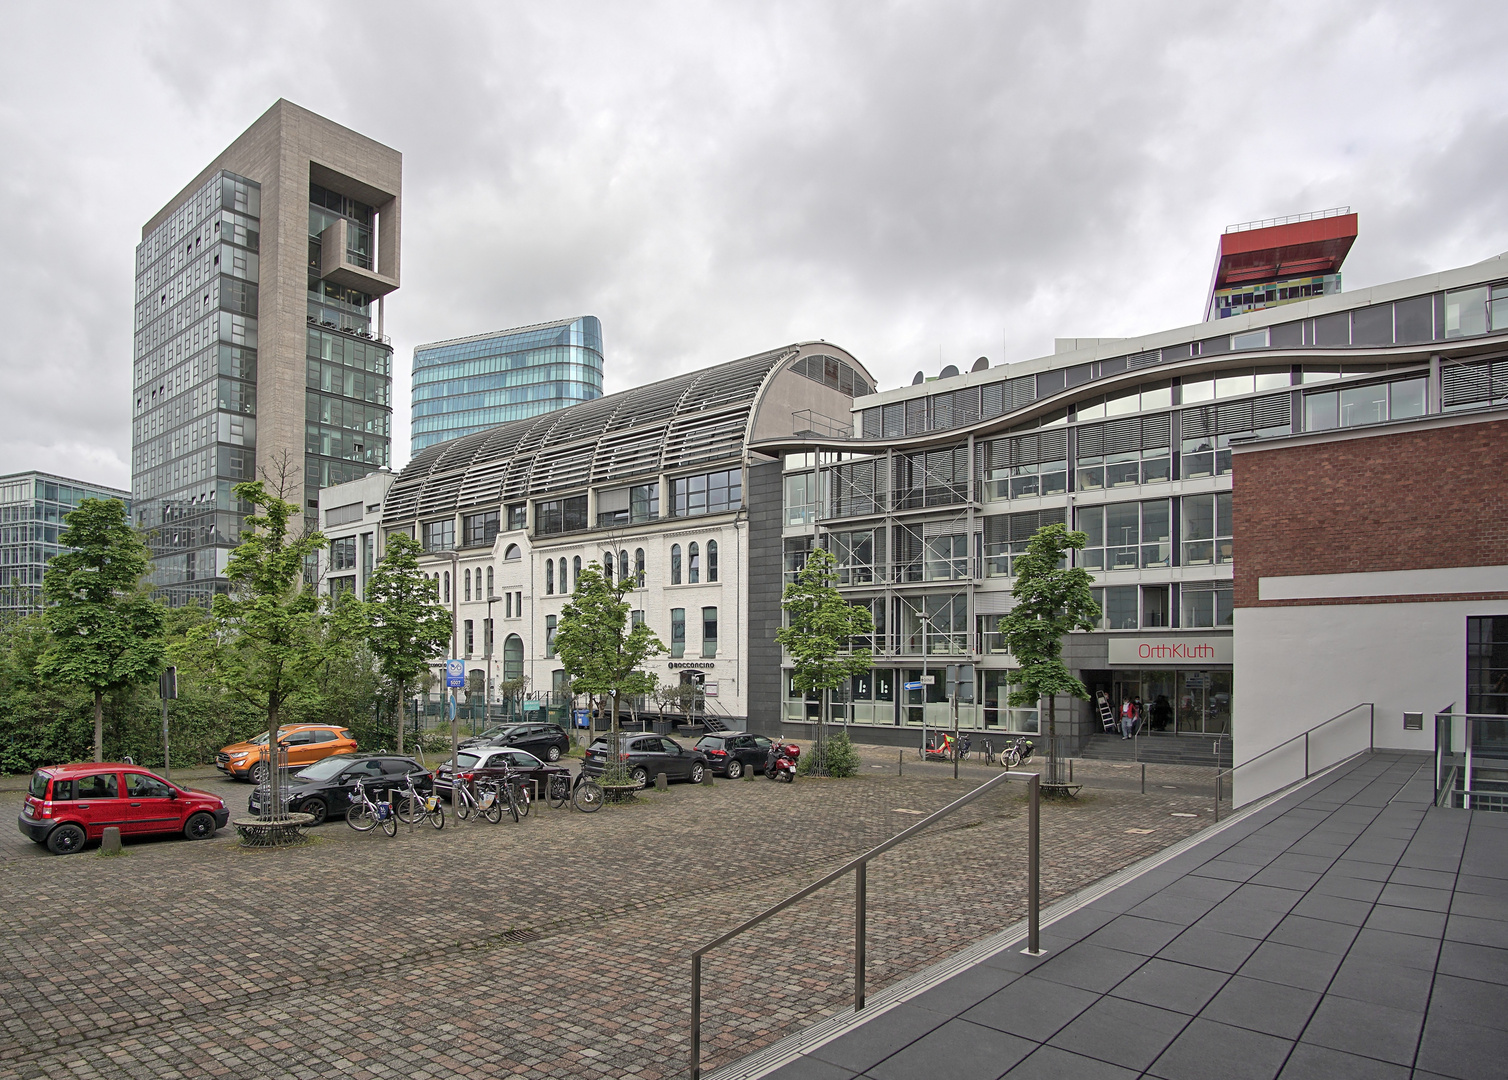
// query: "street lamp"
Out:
[455,626]
[487,649]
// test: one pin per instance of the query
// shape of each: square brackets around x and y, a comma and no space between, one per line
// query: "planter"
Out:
[619,792]
[286,831]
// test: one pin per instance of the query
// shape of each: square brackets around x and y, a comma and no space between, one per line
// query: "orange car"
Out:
[305,744]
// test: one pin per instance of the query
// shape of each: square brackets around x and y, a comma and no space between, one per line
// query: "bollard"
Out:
[1034,867]
[1143,777]
[900,763]
[1070,770]
[661,783]
[110,843]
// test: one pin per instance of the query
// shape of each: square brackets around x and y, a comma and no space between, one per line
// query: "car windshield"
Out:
[261,740]
[709,740]
[467,761]
[324,769]
[499,732]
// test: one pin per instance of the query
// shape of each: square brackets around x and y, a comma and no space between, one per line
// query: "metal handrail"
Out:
[1371,744]
[860,867]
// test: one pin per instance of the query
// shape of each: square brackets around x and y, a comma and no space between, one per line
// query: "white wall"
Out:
[1298,666]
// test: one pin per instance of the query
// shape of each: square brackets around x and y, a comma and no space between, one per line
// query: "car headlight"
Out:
[240,756]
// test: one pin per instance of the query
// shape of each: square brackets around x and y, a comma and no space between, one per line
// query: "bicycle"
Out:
[365,813]
[517,791]
[470,795]
[417,808]
[584,793]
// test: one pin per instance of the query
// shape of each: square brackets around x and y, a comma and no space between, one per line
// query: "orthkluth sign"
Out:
[1146,650]
[1178,649]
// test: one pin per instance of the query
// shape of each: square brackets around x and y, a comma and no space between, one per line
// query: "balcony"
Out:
[346,258]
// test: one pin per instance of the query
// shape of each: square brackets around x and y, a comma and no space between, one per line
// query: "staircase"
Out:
[713,724]
[1160,749]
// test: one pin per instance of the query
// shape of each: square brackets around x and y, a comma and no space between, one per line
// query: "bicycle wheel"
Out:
[410,810]
[587,797]
[360,817]
[512,803]
[390,824]
[462,805]
[559,792]
[437,817]
[523,798]
[493,813]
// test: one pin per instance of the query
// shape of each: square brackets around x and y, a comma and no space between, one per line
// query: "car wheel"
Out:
[316,809]
[698,773]
[639,776]
[735,769]
[258,773]
[552,754]
[199,826]
[65,839]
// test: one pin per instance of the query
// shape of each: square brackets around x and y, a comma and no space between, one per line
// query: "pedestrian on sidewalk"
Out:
[1128,717]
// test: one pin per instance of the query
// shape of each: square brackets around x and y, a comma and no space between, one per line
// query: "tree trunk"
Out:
[614,708]
[99,725]
[1052,739]
[402,713]
[273,807]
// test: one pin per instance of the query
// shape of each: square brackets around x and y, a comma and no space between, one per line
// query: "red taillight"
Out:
[718,753]
[622,757]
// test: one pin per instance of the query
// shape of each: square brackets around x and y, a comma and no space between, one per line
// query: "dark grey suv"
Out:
[647,755]
[548,742]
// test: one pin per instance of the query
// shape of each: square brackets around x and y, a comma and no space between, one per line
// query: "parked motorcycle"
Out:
[1017,753]
[780,762]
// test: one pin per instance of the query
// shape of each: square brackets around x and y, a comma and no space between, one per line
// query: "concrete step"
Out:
[1160,749]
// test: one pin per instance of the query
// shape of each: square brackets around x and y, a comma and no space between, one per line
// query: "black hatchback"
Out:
[324,789]
[647,755]
[548,742]
[733,753]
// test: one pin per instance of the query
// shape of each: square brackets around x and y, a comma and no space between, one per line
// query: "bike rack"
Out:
[860,867]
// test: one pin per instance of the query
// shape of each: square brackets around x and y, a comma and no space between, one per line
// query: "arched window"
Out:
[575,568]
[512,553]
[549,577]
[468,584]
[711,560]
[565,582]
[607,566]
[675,564]
[513,657]
[490,591]
[447,586]
[639,566]
[623,566]
[693,564]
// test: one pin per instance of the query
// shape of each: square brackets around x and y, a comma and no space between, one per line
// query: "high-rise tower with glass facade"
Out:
[471,383]
[32,508]
[259,350]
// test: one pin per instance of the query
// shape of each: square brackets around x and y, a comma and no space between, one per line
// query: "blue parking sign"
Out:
[455,674]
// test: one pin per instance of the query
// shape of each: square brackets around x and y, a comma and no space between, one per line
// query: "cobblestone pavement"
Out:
[384,957]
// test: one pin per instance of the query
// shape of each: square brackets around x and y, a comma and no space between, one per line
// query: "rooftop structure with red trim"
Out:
[1261,264]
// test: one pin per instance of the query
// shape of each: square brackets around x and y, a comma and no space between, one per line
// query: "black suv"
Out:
[325,788]
[545,741]
[732,753]
[647,755]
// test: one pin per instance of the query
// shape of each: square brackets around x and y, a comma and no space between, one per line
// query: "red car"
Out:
[68,805]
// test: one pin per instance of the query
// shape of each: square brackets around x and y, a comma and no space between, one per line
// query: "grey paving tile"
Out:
[1310,1062]
[1482,906]
[1405,950]
[1090,966]
[1334,909]
[1167,907]
[1226,870]
[958,1049]
[1415,896]
[1079,924]
[1400,920]
[1318,934]
[1479,886]
[808,1068]
[1429,879]
[1469,1002]
[1314,864]
[1286,879]
[1258,1005]
[1204,888]
[873,1042]
[1209,949]
[1479,962]
[1365,1029]
[1361,868]
[1032,1008]
[964,990]
[1349,887]
[1205,1049]
[1181,987]
[1312,846]
[1051,1063]
[1292,965]
[1477,931]
[1430,861]
[1242,920]
[1131,934]
[1382,983]
[1456,1049]
[1121,1032]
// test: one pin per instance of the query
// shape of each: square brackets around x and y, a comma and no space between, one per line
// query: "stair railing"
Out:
[1304,736]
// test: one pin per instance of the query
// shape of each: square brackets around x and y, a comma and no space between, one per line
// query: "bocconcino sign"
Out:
[1171,649]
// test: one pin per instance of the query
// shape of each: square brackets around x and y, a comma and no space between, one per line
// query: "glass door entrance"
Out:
[1172,700]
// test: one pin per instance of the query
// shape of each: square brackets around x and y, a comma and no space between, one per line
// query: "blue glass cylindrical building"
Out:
[471,383]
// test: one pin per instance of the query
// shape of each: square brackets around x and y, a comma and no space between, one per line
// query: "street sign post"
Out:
[455,674]
[913,686]
[167,690]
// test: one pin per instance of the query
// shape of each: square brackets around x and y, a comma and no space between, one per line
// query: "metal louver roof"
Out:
[691,419]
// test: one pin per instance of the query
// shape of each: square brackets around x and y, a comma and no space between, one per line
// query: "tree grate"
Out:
[520,937]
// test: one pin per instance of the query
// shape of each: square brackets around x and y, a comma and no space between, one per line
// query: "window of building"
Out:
[508,606]
[513,552]
[550,622]
[931,478]
[937,623]
[549,577]
[343,553]
[856,487]
[639,575]
[480,529]
[1006,537]
[490,593]
[800,498]
[709,631]
[635,618]
[1466,312]
[1487,665]
[677,632]
[1027,466]
[830,371]
[466,579]
[607,566]
[513,657]
[469,638]
[1354,406]
[575,569]
[1206,605]
[340,585]
[1155,612]
[1137,450]
[487,637]
[556,516]
[1206,525]
[447,586]
[623,571]
[439,535]
[1118,606]
[945,558]
[1125,536]
[711,560]
[693,563]
[628,505]
[706,493]
[795,551]
[675,564]
[1207,431]
[518,516]
[1158,395]
[1229,384]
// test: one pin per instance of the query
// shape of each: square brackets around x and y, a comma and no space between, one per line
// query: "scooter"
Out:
[780,762]
[1017,753]
[943,749]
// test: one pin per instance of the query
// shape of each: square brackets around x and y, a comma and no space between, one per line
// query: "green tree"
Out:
[601,652]
[820,633]
[105,628]
[266,637]
[406,626]
[1052,599]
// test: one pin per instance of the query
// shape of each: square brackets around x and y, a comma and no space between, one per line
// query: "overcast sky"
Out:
[914,181]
